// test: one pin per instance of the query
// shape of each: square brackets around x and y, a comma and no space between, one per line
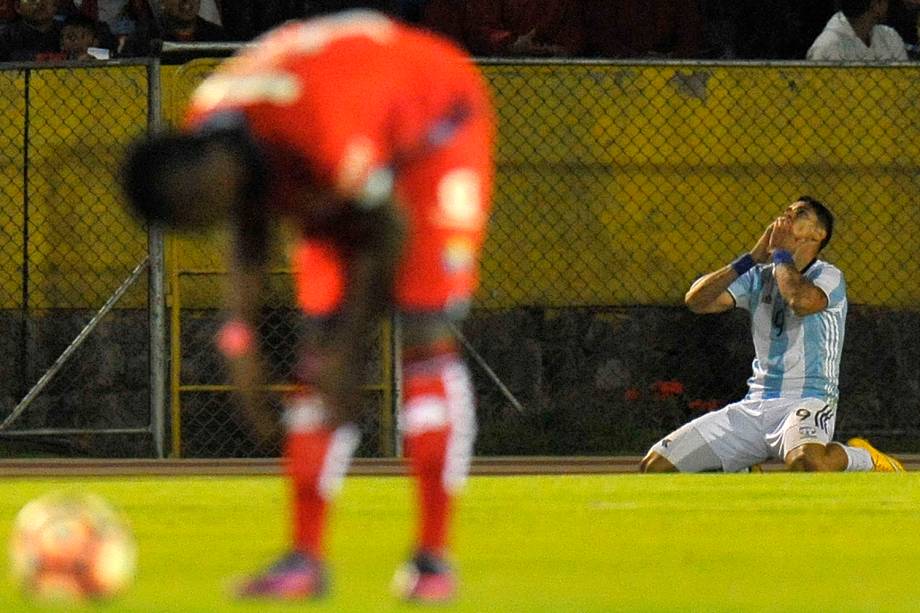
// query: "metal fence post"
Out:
[25,353]
[396,382]
[156,286]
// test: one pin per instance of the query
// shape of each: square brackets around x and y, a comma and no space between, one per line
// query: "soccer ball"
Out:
[71,547]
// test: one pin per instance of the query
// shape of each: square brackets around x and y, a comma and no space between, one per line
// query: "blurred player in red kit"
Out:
[374,142]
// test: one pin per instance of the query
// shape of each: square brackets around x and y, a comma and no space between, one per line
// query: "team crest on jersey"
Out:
[459,255]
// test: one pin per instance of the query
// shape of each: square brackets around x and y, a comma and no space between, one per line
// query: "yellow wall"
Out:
[12,104]
[82,243]
[646,177]
[616,184]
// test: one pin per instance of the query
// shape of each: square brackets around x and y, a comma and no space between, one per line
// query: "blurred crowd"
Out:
[702,29]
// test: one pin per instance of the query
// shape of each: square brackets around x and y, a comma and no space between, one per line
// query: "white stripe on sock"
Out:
[345,440]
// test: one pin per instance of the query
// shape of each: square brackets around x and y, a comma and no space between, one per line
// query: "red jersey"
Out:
[354,102]
[345,95]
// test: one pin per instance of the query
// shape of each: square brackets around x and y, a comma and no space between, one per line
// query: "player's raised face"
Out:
[805,222]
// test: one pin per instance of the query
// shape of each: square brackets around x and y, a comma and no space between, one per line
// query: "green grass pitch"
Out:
[772,542]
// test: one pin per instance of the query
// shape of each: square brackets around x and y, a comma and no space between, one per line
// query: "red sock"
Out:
[316,462]
[426,453]
[304,453]
[439,428]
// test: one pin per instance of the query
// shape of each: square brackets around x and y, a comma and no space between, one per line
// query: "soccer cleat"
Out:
[426,578]
[296,576]
[881,462]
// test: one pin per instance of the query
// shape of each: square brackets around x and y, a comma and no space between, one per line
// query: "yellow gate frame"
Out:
[384,387]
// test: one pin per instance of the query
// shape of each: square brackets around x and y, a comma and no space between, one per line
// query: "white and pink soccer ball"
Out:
[72,547]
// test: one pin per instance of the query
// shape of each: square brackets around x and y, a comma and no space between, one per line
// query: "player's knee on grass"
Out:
[656,463]
[809,458]
[684,450]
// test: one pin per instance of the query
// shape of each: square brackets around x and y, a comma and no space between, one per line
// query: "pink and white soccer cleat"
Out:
[295,576]
[426,578]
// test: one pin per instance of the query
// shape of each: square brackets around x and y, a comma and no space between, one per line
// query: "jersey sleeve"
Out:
[829,279]
[743,288]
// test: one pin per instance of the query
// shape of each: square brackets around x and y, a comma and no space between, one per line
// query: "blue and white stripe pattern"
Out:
[795,357]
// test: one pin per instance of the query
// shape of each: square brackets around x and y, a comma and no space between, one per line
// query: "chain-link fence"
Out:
[208,422]
[67,246]
[617,185]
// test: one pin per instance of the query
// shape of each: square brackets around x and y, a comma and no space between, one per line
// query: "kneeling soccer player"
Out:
[798,308]
[374,141]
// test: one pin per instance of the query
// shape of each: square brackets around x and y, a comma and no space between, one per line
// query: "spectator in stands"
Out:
[118,19]
[35,31]
[643,28]
[80,39]
[536,28]
[182,23]
[856,33]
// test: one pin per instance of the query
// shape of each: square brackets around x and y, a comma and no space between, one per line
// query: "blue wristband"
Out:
[743,264]
[781,256]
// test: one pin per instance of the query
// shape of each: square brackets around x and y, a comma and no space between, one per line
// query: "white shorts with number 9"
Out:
[748,432]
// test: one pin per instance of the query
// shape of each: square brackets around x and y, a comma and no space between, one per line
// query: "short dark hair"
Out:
[825,218]
[855,8]
[79,20]
[149,167]
[148,175]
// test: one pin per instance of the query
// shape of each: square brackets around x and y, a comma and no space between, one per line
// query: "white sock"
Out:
[858,459]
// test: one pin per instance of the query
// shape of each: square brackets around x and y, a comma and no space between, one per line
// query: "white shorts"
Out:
[748,432]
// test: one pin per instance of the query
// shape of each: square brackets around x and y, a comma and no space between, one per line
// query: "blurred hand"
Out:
[781,236]
[761,251]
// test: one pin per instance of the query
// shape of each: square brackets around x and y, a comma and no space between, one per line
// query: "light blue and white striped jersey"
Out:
[795,357]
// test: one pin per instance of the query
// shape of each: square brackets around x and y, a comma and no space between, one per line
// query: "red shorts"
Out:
[445,198]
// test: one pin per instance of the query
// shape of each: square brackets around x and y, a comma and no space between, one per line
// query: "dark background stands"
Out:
[643,28]
[524,27]
[35,31]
